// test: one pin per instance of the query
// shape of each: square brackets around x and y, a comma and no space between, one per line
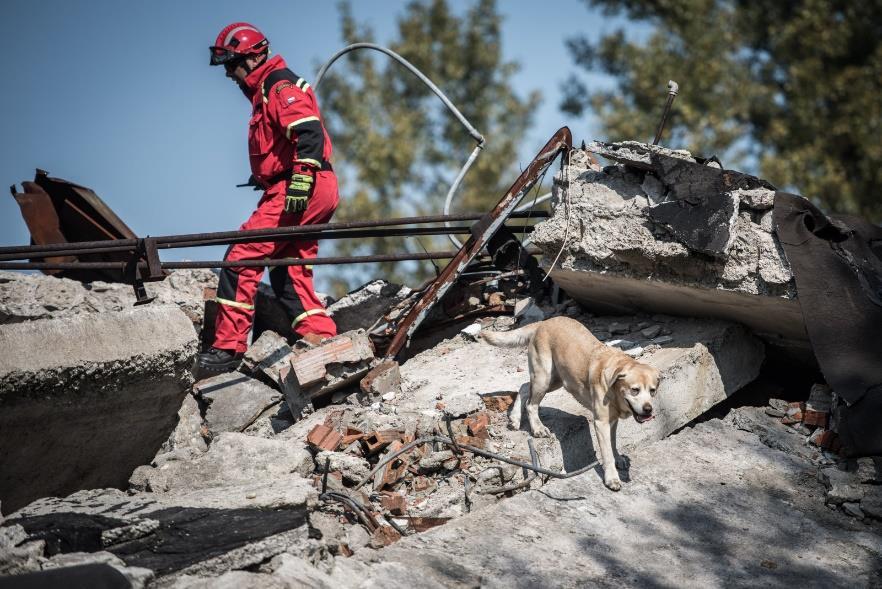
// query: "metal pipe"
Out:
[323,235]
[231,264]
[437,91]
[165,241]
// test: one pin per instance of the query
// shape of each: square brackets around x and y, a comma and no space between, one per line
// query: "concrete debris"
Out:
[264,352]
[527,311]
[29,297]
[619,252]
[233,401]
[102,408]
[382,379]
[365,305]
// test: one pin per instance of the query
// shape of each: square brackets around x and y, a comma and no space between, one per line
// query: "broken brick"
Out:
[384,536]
[383,378]
[421,483]
[498,402]
[376,441]
[421,524]
[477,425]
[323,437]
[818,418]
[395,503]
[471,441]
[352,435]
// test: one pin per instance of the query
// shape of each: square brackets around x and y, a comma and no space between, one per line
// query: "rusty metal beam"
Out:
[482,231]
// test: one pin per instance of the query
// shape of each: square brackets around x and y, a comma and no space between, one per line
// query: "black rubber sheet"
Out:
[837,264]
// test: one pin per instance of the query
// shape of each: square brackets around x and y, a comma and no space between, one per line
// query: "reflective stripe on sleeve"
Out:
[290,128]
[306,314]
[230,303]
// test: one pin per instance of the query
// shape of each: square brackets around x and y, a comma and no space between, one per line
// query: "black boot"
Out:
[215,361]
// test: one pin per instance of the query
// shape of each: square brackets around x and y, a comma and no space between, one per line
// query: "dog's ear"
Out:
[613,373]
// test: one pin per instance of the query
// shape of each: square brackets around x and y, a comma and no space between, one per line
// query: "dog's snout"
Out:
[647,408]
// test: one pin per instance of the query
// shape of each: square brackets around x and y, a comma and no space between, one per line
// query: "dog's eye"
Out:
[635,390]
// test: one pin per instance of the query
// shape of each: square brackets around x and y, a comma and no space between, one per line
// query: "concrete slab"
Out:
[616,254]
[86,399]
[703,363]
[727,512]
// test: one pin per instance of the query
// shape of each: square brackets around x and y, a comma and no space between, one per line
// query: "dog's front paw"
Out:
[540,431]
[613,484]
[623,462]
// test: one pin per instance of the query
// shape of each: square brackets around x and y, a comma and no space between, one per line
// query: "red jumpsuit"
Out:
[285,134]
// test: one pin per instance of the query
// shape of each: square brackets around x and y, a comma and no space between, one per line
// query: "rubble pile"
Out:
[661,230]
[29,297]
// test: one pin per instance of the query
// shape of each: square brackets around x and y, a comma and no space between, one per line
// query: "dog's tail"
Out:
[511,339]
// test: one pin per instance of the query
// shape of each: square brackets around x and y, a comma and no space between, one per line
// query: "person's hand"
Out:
[299,190]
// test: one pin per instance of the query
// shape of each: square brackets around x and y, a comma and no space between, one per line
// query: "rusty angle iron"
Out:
[481,233]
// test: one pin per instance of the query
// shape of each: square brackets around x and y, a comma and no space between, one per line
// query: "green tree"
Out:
[789,89]
[397,147]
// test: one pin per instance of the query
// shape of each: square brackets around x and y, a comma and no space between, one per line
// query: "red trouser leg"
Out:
[238,285]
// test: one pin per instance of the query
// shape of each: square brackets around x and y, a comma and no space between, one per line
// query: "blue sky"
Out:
[119,96]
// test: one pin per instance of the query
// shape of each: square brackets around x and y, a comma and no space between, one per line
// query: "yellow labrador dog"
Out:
[608,382]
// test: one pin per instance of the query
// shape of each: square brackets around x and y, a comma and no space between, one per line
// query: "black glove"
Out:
[299,190]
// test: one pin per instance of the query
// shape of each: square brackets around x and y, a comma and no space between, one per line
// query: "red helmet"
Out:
[237,40]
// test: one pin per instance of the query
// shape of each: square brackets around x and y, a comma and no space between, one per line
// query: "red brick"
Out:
[498,402]
[381,438]
[818,418]
[352,435]
[395,503]
[324,438]
[478,424]
[470,441]
[384,536]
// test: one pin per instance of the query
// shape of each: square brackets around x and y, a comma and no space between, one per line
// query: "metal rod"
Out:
[673,89]
[324,235]
[165,241]
[329,261]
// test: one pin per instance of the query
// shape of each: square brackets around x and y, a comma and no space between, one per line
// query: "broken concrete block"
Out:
[233,401]
[266,351]
[353,468]
[102,408]
[365,305]
[472,330]
[29,297]
[225,531]
[651,332]
[841,486]
[233,459]
[383,378]
[871,502]
[704,225]
[527,311]
[618,258]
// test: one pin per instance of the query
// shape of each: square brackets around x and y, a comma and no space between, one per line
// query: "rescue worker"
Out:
[290,153]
